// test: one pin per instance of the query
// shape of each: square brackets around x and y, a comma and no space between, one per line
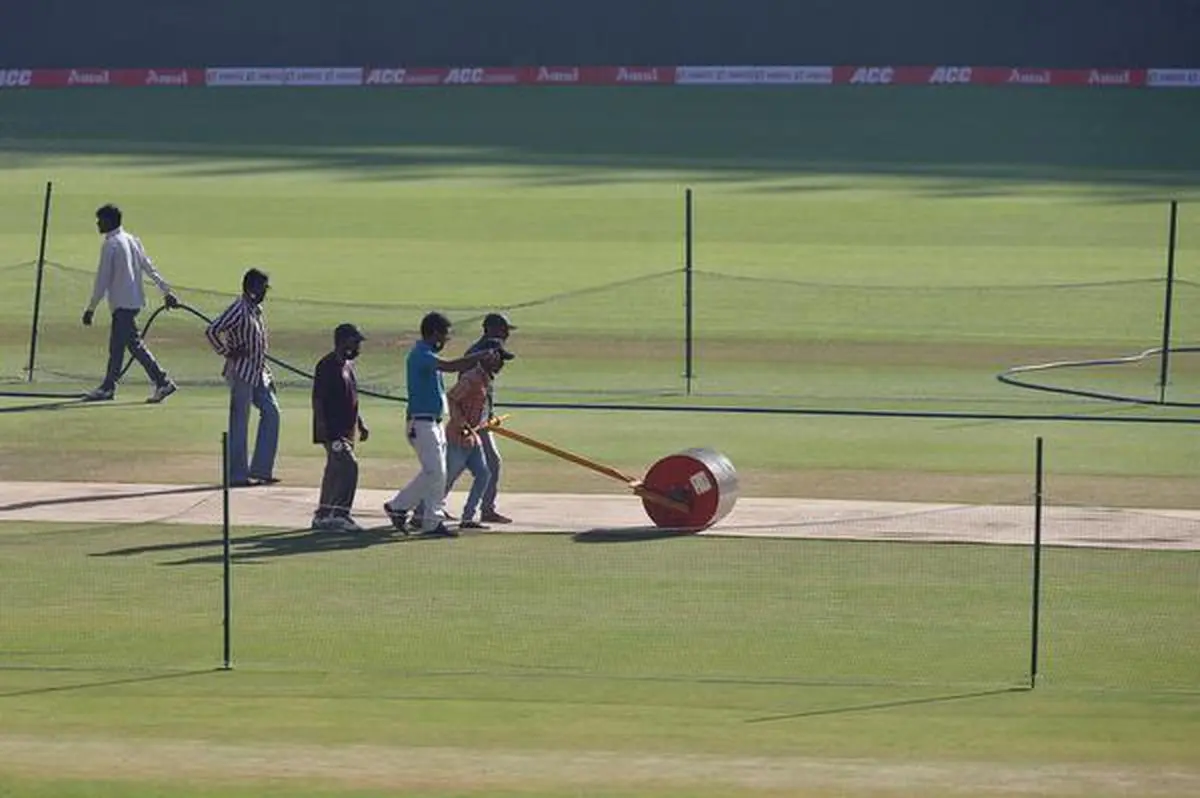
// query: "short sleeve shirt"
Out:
[426,390]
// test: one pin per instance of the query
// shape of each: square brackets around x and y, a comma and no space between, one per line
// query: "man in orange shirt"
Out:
[468,409]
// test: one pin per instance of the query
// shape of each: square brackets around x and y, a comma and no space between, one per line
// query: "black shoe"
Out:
[441,531]
[265,480]
[100,394]
[469,524]
[399,518]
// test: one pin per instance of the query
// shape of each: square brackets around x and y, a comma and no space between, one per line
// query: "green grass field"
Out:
[885,249]
[686,648]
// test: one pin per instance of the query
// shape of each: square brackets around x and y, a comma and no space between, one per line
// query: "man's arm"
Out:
[103,277]
[215,332]
[320,402]
[147,266]
[461,391]
[465,362]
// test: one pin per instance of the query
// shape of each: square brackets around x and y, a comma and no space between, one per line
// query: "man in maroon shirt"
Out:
[335,423]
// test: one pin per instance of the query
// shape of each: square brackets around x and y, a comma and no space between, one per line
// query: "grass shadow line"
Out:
[87,499]
[634,534]
[908,702]
[157,677]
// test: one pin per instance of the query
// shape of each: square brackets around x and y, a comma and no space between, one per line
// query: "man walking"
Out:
[335,421]
[496,327]
[426,411]
[468,401]
[240,336]
[123,260]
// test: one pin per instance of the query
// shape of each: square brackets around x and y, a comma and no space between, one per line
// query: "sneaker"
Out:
[399,518]
[417,521]
[162,392]
[493,517]
[320,522]
[343,523]
[441,531]
[100,394]
[265,480]
[470,524]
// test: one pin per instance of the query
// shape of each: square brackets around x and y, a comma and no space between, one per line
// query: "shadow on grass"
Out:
[102,497]
[878,705]
[271,545]
[63,688]
[629,535]
[31,408]
[976,143]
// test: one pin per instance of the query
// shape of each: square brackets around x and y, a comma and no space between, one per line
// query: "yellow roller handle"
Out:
[635,484]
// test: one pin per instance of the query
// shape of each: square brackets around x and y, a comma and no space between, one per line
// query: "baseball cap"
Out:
[498,320]
[490,344]
[347,330]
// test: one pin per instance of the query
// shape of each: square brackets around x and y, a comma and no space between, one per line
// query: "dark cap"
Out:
[347,331]
[494,344]
[497,320]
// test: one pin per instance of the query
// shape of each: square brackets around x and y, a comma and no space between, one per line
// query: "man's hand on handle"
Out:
[171,301]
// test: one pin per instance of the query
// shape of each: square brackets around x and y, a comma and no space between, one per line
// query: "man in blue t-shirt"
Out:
[426,413]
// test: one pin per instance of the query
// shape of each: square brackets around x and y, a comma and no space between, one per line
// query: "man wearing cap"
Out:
[426,412]
[468,401]
[496,327]
[336,421]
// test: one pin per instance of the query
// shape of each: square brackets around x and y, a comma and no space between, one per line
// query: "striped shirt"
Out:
[468,406]
[123,259]
[240,336]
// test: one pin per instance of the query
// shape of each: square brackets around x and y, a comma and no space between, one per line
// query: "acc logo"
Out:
[11,78]
[873,75]
[465,75]
[386,77]
[949,74]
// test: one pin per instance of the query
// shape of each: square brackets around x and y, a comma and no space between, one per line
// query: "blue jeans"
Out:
[469,458]
[241,395]
[491,455]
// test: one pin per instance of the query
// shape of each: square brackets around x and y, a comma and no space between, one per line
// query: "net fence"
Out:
[752,337]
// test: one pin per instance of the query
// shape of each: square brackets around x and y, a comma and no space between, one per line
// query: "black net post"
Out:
[688,373]
[1164,362]
[37,291]
[1036,601]
[226,560]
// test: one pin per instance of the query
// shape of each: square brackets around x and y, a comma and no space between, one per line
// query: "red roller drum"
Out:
[703,479]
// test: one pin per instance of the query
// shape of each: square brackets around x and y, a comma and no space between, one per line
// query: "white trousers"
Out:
[428,487]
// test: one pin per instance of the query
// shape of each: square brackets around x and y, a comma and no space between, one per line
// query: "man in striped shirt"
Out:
[240,336]
[123,261]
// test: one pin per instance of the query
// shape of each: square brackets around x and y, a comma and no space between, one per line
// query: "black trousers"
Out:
[122,336]
[340,482]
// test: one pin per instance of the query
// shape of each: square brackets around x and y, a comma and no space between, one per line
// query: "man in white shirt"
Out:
[123,259]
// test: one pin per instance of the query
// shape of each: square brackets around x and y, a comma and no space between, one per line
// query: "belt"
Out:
[425,417]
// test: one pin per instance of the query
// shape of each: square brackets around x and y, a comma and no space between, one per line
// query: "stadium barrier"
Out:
[385,75]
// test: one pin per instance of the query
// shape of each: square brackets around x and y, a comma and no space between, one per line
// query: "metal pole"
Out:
[37,291]
[1166,339]
[687,292]
[1036,610]
[227,603]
